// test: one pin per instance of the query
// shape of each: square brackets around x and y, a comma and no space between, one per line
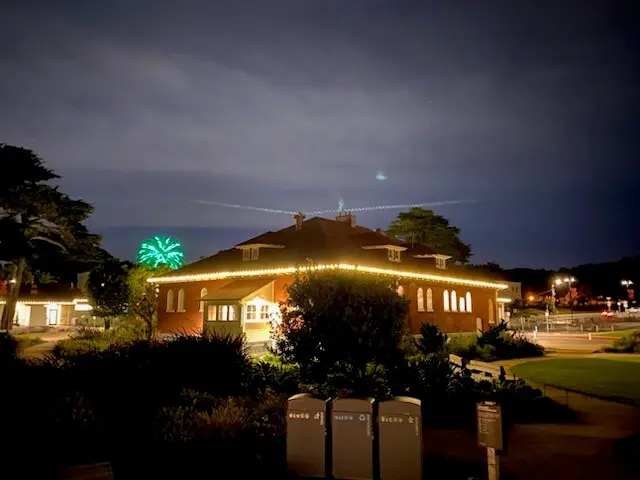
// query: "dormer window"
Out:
[250,253]
[394,255]
[441,263]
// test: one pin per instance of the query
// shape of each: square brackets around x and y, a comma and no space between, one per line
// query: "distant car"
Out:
[606,313]
[633,310]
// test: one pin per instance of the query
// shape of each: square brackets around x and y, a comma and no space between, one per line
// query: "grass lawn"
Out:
[606,378]
[26,341]
[617,333]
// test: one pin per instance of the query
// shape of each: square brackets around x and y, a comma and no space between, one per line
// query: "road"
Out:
[571,341]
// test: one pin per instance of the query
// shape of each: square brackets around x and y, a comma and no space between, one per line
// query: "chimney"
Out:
[34,289]
[299,218]
[381,231]
[347,218]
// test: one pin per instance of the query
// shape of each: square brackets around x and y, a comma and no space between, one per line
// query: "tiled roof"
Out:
[319,241]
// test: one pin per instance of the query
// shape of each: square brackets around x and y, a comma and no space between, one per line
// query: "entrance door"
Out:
[492,313]
[52,315]
[478,325]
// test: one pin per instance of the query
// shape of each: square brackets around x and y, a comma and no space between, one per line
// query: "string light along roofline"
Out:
[341,266]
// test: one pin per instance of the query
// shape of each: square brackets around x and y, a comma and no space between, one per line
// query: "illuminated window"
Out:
[462,305]
[264,312]
[251,312]
[180,300]
[394,255]
[441,263]
[232,313]
[203,293]
[445,300]
[400,290]
[420,295]
[212,311]
[224,313]
[250,253]
[454,301]
[468,298]
[170,300]
[429,300]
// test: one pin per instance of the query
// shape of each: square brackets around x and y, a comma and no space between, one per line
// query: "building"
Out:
[508,295]
[47,306]
[238,290]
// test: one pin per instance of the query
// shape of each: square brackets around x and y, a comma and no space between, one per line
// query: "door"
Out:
[492,313]
[479,325]
[52,315]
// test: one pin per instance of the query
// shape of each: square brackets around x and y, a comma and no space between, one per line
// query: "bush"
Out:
[432,340]
[629,343]
[9,349]
[26,341]
[88,339]
[497,343]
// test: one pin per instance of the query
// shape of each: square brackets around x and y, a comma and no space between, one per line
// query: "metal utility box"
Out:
[352,438]
[400,439]
[306,435]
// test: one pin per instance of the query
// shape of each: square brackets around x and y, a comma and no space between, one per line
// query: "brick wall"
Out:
[191,319]
[450,322]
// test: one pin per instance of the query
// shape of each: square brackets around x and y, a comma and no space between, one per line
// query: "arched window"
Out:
[468,299]
[400,290]
[429,300]
[454,301]
[203,293]
[420,295]
[180,300]
[445,300]
[170,304]
[462,305]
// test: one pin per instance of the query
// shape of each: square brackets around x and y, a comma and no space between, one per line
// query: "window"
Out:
[441,263]
[445,300]
[468,298]
[394,255]
[454,301]
[180,300]
[250,253]
[264,312]
[203,293]
[170,306]
[429,300]
[232,313]
[224,313]
[420,295]
[400,290]
[462,305]
[212,311]
[251,312]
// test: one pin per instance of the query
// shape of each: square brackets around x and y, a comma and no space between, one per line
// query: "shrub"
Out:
[432,340]
[88,339]
[26,341]
[463,345]
[9,349]
[629,343]
[497,343]
[339,323]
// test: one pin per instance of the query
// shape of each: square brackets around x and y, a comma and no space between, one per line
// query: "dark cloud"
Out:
[145,106]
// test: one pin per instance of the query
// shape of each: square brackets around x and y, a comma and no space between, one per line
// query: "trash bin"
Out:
[400,439]
[306,435]
[352,438]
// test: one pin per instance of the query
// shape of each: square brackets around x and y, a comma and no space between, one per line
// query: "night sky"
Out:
[146,107]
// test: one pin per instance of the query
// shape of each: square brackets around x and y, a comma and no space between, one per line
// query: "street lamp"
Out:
[626,283]
[568,281]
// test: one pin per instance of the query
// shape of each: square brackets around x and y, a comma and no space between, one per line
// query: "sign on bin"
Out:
[352,438]
[400,439]
[306,435]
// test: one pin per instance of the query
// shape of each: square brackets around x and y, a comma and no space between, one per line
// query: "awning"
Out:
[237,291]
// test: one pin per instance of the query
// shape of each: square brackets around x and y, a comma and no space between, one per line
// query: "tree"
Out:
[420,225]
[34,214]
[108,287]
[143,296]
[341,322]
